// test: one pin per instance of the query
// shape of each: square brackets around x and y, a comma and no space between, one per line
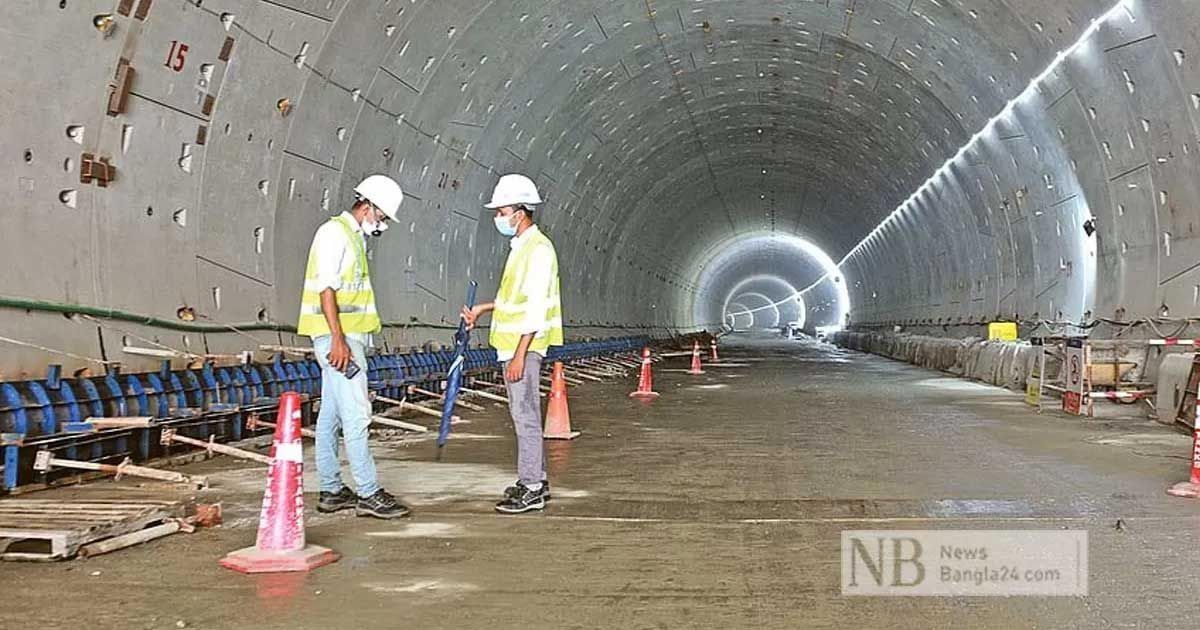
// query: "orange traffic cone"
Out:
[712,350]
[281,546]
[696,368]
[646,380]
[1190,489]
[558,415]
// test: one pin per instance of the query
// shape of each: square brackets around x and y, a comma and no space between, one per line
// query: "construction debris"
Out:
[46,530]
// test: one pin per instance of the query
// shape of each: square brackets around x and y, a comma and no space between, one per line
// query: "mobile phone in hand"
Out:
[351,368]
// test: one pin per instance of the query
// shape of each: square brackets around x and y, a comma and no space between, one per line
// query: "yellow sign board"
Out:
[1002,331]
[1033,391]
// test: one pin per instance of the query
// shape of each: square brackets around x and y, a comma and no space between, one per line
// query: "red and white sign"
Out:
[1075,364]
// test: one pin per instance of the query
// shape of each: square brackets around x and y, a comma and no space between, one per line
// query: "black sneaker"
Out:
[522,500]
[329,502]
[381,505]
[516,489]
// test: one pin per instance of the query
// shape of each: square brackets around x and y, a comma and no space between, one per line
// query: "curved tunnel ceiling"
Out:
[657,129]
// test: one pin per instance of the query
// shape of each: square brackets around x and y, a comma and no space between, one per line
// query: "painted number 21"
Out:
[175,57]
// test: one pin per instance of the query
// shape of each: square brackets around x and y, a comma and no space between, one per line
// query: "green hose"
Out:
[167,324]
[157,322]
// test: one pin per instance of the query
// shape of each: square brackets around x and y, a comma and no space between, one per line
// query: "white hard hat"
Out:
[514,190]
[383,192]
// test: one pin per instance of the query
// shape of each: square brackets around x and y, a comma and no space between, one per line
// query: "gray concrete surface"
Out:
[720,505]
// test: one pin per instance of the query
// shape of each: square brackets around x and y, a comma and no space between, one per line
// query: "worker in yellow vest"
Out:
[337,310]
[526,321]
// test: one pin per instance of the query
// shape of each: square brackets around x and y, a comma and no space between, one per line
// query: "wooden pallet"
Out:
[44,529]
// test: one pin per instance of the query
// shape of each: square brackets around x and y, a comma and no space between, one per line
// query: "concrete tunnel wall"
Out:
[657,129]
[1109,136]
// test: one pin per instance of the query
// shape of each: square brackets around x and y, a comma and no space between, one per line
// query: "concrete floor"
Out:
[719,505]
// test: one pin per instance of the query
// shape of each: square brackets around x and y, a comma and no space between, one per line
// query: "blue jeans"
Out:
[344,406]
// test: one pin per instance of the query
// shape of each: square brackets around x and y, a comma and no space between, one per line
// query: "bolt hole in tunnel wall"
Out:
[682,148]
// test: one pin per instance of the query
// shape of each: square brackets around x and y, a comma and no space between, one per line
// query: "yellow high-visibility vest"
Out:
[510,318]
[355,300]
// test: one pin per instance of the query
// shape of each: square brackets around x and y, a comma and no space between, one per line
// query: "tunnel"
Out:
[991,189]
[961,162]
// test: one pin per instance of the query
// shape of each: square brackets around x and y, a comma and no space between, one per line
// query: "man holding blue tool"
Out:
[338,311]
[526,321]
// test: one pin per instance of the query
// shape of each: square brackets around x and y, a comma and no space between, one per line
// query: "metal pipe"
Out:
[442,397]
[45,460]
[253,423]
[487,395]
[169,436]
[398,424]
[157,322]
[404,404]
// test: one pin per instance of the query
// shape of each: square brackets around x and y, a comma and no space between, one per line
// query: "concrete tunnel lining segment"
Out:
[656,130]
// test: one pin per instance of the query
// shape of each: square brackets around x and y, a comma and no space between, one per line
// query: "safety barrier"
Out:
[51,413]
[1122,371]
[1002,363]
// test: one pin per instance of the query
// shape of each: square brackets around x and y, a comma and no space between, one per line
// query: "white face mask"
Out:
[375,229]
[504,225]
[371,228]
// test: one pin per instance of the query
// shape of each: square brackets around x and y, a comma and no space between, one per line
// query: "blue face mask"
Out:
[504,225]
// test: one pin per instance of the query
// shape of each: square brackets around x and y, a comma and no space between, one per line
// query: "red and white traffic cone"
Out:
[1190,489]
[712,350]
[646,380]
[281,546]
[558,414]
[696,367]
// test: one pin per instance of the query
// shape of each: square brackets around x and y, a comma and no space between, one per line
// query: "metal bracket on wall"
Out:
[118,95]
[143,9]
[226,49]
[98,169]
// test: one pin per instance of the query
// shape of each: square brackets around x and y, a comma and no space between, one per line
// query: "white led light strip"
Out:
[1030,90]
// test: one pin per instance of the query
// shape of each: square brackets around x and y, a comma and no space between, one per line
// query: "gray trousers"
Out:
[525,406]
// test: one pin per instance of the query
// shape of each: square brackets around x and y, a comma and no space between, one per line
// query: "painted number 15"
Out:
[176,56]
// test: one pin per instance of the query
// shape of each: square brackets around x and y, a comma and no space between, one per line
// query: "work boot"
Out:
[329,502]
[381,505]
[522,500]
[516,489]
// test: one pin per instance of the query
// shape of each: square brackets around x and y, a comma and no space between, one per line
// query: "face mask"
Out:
[504,226]
[372,228]
[375,229]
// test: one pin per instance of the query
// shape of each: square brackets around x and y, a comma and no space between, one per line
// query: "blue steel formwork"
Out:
[52,413]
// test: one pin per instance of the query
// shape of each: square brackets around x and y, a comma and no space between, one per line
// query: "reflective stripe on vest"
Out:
[355,300]
[511,316]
